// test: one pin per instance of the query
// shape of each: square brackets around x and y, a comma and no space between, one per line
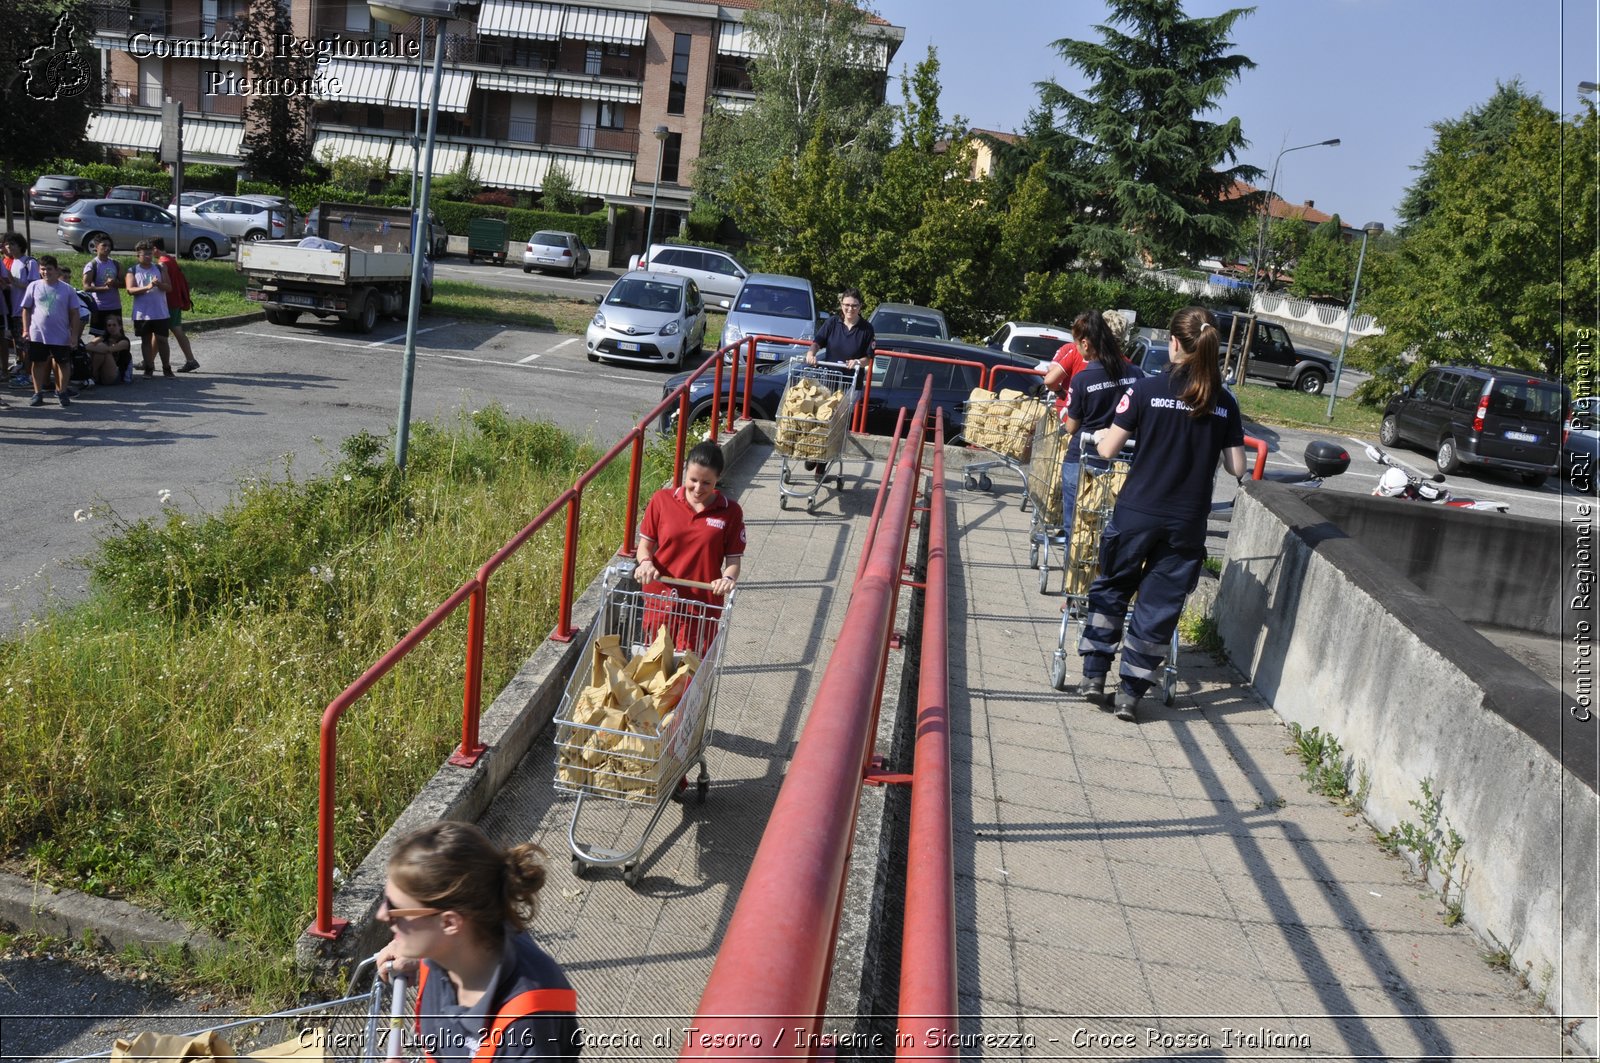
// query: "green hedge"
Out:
[457,218]
[197,177]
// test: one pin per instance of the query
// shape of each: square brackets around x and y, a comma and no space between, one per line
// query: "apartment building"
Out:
[526,85]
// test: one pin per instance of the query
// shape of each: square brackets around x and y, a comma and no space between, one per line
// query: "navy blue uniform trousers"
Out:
[1158,557]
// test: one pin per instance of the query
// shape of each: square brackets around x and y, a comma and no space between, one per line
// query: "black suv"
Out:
[1488,415]
[52,192]
[1273,357]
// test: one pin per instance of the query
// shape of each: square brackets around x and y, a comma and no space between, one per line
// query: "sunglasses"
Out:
[388,909]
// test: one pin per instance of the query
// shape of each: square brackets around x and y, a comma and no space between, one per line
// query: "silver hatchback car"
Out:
[127,221]
[551,249]
[654,318]
[772,304]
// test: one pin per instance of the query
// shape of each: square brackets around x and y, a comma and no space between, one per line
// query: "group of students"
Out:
[43,318]
[1183,421]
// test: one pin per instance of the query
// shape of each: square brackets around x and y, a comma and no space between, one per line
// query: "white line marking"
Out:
[447,357]
[563,343]
[304,339]
[530,358]
[401,337]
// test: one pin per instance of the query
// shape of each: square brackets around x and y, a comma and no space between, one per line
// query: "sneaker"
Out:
[1093,688]
[188,367]
[167,371]
[37,400]
[1127,705]
[64,398]
[149,370]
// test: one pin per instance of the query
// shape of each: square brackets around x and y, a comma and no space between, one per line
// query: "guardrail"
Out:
[774,963]
[474,594]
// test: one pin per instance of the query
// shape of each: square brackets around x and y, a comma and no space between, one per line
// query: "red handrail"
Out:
[877,501]
[773,967]
[859,422]
[1021,370]
[474,593]
[1260,447]
[928,933]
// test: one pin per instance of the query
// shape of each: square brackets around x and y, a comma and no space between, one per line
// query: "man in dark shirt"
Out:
[847,338]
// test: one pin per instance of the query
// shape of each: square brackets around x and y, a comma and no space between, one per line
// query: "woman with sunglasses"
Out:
[459,907]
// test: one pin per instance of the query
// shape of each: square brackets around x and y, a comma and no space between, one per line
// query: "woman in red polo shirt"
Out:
[693,532]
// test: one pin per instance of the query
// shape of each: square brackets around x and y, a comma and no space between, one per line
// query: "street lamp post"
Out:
[662,132]
[397,11]
[1266,211]
[1588,87]
[1372,228]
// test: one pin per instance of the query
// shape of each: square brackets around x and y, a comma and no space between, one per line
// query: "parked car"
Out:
[439,239]
[906,319]
[896,383]
[1273,355]
[189,199]
[1580,453]
[1148,348]
[51,192]
[284,204]
[771,304]
[1041,342]
[552,249]
[1488,415]
[717,273]
[139,193]
[127,222]
[648,317]
[240,217]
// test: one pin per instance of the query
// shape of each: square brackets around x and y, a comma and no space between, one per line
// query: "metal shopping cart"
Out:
[813,419]
[607,756]
[359,1028]
[1044,491]
[1098,487]
[1004,425]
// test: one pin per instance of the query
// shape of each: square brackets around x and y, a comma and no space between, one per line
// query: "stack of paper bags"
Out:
[1097,498]
[804,419]
[1002,423]
[615,725]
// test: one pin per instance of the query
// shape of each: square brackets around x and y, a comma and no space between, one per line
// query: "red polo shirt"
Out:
[690,545]
[1068,358]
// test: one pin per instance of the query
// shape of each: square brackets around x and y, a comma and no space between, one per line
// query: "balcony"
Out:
[731,76]
[583,136]
[510,54]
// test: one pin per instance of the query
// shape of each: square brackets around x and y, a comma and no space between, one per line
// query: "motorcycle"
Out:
[1400,480]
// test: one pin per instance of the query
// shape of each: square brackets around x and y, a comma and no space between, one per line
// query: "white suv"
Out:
[1035,341]
[716,272]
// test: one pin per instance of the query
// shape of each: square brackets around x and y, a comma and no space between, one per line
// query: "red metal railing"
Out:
[474,594]
[1260,447]
[775,960]
[928,934]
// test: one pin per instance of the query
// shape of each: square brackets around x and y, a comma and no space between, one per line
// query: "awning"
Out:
[447,157]
[527,84]
[509,18]
[213,138]
[735,38]
[599,90]
[606,26]
[599,177]
[454,88]
[358,82]
[510,167]
[334,145]
[139,131]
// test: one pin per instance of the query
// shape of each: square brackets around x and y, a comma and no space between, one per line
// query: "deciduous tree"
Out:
[277,113]
[1327,265]
[49,80]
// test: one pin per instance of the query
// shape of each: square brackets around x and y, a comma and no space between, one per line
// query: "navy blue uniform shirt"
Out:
[1092,397]
[842,344]
[1177,453]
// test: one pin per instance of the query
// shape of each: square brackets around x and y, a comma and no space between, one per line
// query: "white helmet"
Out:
[1393,483]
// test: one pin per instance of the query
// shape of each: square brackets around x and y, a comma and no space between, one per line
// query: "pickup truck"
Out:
[1273,356]
[356,275]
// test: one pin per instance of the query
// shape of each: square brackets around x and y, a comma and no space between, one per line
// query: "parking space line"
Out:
[402,336]
[530,358]
[305,339]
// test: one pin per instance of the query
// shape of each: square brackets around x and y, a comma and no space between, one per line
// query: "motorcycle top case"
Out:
[1326,459]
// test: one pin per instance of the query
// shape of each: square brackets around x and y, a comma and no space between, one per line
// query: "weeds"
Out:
[1200,631]
[161,737]
[1327,768]
[1213,565]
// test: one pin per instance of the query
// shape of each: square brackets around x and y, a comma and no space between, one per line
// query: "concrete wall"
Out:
[1334,638]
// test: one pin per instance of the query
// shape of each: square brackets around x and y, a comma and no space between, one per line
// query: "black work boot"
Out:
[1093,688]
[1127,705]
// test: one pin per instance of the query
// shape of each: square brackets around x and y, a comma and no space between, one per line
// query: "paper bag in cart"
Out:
[304,1047]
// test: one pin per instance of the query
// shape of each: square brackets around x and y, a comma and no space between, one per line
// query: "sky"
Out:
[1374,73]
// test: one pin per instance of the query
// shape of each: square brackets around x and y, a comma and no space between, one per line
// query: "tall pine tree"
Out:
[1156,172]
[277,122]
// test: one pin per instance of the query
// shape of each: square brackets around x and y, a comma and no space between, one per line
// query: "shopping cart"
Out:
[354,1029]
[604,760]
[1098,486]
[1005,426]
[1044,491]
[813,418]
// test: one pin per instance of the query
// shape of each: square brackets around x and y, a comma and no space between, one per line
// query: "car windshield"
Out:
[907,325]
[55,184]
[774,300]
[548,240]
[1036,346]
[636,293]
[1526,400]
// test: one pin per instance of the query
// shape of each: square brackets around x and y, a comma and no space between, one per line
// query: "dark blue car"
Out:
[896,383]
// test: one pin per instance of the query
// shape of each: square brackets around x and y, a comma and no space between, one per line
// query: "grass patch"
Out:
[1200,631]
[162,736]
[216,288]
[1271,405]
[528,309]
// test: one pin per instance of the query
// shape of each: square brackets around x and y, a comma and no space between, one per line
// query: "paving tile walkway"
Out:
[1170,890]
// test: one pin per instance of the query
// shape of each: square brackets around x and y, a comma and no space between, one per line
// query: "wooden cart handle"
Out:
[696,584]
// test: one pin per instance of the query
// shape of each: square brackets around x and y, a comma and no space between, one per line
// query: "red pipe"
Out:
[467,753]
[883,487]
[325,925]
[749,375]
[1260,447]
[635,471]
[928,941]
[772,969]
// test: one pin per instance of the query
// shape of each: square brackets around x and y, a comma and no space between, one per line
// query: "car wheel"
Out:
[255,234]
[202,250]
[88,241]
[1389,431]
[573,272]
[527,269]
[1311,381]
[1447,459]
[1535,479]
